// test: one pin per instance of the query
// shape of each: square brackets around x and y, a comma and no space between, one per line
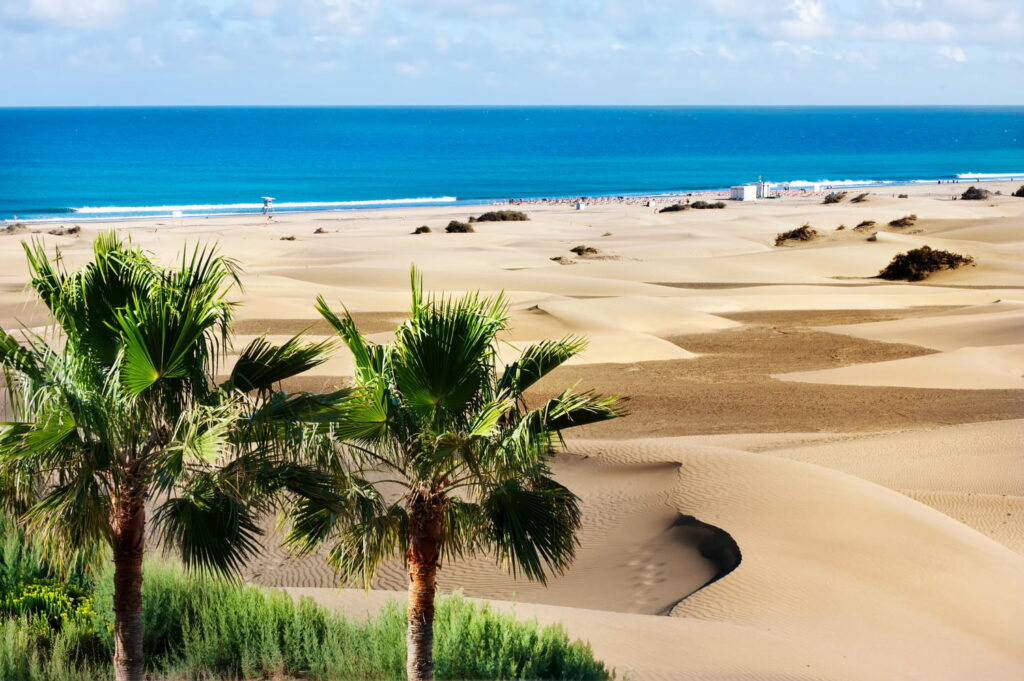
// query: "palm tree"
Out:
[115,411]
[442,458]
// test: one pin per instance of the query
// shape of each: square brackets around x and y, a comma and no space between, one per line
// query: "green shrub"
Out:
[584,250]
[422,229]
[918,263]
[54,601]
[860,198]
[903,196]
[834,197]
[975,194]
[865,224]
[1019,193]
[675,208]
[501,216]
[705,204]
[456,227]
[199,626]
[802,233]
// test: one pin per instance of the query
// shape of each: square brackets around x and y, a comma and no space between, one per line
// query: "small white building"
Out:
[743,192]
[764,190]
[580,205]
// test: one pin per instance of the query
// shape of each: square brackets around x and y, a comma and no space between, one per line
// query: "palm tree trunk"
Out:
[424,539]
[129,526]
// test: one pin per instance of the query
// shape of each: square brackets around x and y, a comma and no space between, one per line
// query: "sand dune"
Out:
[989,368]
[812,571]
[857,441]
[999,323]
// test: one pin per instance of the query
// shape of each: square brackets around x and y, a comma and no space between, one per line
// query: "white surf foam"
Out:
[286,205]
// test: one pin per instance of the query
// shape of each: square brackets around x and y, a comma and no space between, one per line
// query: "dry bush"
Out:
[905,221]
[918,263]
[803,233]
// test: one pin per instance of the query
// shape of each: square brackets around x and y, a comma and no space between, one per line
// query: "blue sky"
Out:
[121,52]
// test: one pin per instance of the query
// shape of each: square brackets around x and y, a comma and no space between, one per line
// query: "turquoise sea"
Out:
[67,164]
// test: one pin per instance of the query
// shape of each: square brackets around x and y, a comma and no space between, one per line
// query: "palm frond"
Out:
[369,359]
[532,526]
[462,332]
[537,361]
[571,409]
[211,529]
[262,365]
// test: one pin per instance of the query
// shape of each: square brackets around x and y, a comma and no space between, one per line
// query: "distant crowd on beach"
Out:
[644,200]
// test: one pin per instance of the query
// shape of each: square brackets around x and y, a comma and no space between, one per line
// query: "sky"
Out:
[480,52]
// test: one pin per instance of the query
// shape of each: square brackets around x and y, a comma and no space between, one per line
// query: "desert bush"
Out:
[584,250]
[803,233]
[422,229]
[288,238]
[834,197]
[456,227]
[1019,193]
[975,194]
[705,204]
[840,228]
[917,264]
[675,208]
[905,221]
[501,216]
[865,224]
[860,198]
[903,196]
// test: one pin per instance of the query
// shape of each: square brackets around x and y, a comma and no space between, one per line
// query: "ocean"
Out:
[76,164]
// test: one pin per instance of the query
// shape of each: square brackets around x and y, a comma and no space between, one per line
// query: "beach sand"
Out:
[821,475]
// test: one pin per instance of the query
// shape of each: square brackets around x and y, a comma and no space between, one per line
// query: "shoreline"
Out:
[796,188]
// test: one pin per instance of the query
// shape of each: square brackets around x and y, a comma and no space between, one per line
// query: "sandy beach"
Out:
[821,475]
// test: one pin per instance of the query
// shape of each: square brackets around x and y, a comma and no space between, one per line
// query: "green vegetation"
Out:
[918,263]
[1019,193]
[465,462]
[903,196]
[860,198]
[975,194]
[422,229]
[834,197]
[456,227]
[675,208]
[699,205]
[803,233]
[201,626]
[117,405]
[584,250]
[905,221]
[865,225]
[501,216]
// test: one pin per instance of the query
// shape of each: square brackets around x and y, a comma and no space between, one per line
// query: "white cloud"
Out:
[801,52]
[808,20]
[409,68]
[725,53]
[952,53]
[931,30]
[68,13]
